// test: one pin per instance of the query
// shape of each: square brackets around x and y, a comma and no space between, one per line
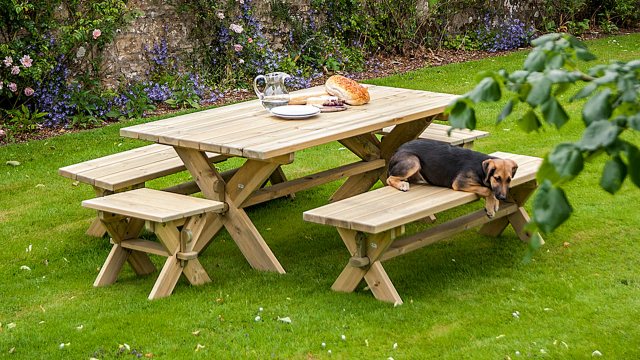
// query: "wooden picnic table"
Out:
[247,130]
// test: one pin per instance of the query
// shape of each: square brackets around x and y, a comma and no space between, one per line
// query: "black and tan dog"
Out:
[440,164]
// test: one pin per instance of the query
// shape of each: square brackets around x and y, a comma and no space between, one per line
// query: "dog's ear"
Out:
[489,167]
[514,167]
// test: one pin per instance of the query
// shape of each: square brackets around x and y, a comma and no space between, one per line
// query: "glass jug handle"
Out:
[255,86]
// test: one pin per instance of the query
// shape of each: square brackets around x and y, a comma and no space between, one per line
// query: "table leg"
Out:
[247,179]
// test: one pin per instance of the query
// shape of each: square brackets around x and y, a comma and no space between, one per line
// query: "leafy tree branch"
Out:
[612,107]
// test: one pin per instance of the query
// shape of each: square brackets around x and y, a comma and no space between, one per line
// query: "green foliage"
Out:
[21,120]
[612,108]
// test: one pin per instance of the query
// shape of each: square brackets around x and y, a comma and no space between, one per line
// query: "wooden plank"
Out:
[310,181]
[147,246]
[112,266]
[153,205]
[443,231]
[167,280]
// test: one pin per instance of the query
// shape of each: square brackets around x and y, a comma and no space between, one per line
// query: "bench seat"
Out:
[129,168]
[439,132]
[177,220]
[379,216]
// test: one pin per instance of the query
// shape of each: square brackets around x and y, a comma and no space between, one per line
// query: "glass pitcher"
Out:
[275,92]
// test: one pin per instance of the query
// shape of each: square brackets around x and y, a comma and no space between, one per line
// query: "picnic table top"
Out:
[248,130]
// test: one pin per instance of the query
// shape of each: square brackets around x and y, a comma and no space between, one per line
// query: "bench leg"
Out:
[167,280]
[376,277]
[518,219]
[120,229]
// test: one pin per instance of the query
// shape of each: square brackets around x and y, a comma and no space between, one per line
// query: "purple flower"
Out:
[8,61]
[26,61]
[13,87]
[28,91]
[15,70]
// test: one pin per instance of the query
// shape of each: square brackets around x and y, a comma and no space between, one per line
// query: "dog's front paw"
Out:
[491,206]
[403,186]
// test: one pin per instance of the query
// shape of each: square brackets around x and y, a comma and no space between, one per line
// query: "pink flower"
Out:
[237,47]
[249,40]
[28,91]
[8,61]
[96,33]
[220,15]
[26,61]
[15,70]
[13,87]
[236,28]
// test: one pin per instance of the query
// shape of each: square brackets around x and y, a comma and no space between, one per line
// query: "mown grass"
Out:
[578,294]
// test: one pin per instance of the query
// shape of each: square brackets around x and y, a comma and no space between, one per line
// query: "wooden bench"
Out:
[177,220]
[131,169]
[439,132]
[372,224]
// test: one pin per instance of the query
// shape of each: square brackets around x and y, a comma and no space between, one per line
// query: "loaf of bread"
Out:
[348,90]
[300,97]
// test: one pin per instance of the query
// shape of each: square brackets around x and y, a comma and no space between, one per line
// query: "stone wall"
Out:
[126,58]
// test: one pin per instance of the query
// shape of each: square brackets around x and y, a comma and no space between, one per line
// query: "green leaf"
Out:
[585,91]
[597,108]
[584,54]
[487,90]
[462,116]
[540,91]
[508,108]
[555,62]
[535,61]
[613,175]
[545,38]
[550,207]
[554,113]
[634,122]
[633,156]
[529,122]
[547,172]
[567,160]
[599,134]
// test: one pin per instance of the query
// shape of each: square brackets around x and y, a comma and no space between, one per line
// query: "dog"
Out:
[438,163]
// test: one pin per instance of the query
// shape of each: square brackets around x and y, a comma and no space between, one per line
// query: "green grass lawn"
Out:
[579,293]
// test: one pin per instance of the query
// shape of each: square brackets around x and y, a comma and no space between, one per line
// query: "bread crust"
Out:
[348,90]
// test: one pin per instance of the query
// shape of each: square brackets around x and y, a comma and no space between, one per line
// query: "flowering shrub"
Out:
[504,34]
[34,44]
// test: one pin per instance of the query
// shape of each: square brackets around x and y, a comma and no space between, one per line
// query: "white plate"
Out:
[295,111]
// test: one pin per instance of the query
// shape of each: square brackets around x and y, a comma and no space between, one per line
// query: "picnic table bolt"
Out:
[360,259]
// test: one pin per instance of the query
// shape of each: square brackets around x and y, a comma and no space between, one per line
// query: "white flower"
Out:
[220,15]
[236,28]
[81,52]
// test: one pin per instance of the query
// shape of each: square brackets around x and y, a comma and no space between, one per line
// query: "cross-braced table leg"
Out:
[366,251]
[249,178]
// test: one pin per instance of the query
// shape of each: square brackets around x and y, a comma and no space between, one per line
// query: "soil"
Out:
[375,67]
